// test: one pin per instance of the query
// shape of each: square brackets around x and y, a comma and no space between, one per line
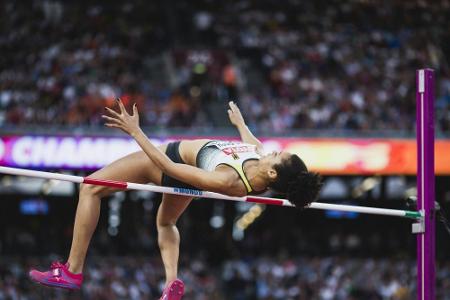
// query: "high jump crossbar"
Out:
[203,194]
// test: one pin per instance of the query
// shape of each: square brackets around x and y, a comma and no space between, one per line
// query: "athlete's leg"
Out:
[136,167]
[169,211]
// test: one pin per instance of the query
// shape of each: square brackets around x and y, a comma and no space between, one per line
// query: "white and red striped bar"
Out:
[204,194]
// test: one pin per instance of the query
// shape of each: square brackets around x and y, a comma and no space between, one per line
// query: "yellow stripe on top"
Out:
[232,154]
[239,169]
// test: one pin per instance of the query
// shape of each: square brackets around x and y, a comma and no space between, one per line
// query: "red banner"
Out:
[366,156]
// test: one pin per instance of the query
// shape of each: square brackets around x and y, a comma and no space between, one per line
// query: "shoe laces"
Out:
[56,267]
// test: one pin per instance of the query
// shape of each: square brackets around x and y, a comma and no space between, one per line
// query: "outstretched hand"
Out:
[123,120]
[235,114]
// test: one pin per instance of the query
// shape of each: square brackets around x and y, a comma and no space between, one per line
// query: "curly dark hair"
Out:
[299,186]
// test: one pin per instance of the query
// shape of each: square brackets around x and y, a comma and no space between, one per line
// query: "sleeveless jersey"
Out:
[233,154]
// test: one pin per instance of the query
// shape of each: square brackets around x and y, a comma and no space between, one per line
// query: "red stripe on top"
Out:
[265,201]
[103,182]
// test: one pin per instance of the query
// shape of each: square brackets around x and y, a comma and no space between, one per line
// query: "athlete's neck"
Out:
[257,181]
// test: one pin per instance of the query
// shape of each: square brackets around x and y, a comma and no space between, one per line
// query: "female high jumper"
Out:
[231,168]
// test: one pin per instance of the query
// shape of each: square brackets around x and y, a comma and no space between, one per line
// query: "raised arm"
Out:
[210,181]
[246,135]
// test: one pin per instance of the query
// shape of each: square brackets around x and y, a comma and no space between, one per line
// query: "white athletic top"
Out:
[233,154]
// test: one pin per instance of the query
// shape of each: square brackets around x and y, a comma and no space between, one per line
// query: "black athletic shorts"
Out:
[173,152]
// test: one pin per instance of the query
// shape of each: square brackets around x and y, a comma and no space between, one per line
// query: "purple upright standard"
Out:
[425,183]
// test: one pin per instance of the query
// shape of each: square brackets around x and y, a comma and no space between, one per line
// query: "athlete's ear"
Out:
[272,173]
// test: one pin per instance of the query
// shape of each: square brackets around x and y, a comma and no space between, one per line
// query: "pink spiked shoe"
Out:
[173,291]
[58,276]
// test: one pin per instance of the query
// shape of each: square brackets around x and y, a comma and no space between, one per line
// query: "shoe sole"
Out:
[68,286]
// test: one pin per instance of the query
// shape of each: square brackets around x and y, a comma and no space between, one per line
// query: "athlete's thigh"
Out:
[171,208]
[136,167]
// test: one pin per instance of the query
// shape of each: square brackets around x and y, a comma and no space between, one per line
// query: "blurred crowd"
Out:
[283,255]
[262,278]
[289,64]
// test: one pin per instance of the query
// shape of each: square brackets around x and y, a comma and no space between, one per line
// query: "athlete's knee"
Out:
[93,190]
[162,223]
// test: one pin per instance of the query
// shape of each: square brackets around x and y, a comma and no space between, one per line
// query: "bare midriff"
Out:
[189,150]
